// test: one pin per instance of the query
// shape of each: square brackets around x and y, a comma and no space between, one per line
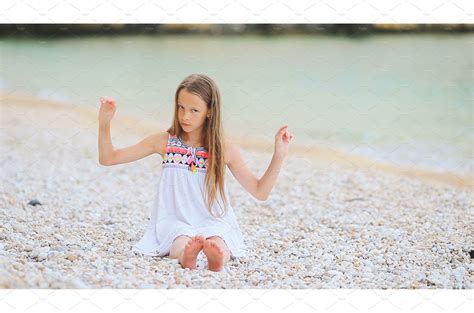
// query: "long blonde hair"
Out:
[204,87]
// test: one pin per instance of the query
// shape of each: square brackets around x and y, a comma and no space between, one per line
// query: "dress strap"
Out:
[169,140]
[193,163]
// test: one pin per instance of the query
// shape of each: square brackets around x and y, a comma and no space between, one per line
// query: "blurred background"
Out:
[398,93]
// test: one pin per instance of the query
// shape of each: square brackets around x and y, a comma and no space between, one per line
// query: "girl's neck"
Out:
[192,139]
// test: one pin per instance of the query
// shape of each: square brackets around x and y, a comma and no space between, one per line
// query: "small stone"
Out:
[40,250]
[34,202]
[19,227]
[77,283]
[71,257]
[58,249]
[42,256]
[128,265]
[53,275]
[459,273]
[328,257]
[334,273]
[44,249]
[436,279]
[368,265]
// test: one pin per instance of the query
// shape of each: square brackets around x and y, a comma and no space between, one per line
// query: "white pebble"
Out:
[128,265]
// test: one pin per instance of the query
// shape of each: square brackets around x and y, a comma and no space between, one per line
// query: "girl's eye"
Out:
[194,110]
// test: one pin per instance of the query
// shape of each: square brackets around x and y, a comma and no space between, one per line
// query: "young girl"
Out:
[191,210]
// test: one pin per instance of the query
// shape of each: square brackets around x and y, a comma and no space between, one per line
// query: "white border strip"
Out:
[237,11]
[255,300]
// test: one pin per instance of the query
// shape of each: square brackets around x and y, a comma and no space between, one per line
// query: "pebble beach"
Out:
[69,222]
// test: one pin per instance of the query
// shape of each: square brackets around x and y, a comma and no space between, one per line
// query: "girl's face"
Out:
[192,111]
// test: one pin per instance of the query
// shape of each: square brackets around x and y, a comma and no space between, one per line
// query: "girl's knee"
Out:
[215,237]
[180,237]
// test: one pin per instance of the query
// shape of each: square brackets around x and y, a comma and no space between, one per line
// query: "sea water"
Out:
[400,98]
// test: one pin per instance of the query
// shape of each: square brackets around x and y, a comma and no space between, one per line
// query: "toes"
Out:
[208,244]
[201,239]
[192,247]
[198,239]
[215,246]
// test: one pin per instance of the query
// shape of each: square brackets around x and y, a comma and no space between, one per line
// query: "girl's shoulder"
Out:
[231,150]
[161,140]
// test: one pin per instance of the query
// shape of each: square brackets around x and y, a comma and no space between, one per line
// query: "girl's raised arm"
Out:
[259,188]
[108,155]
[240,171]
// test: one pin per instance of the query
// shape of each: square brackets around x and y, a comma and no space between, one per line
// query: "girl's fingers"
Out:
[284,134]
[281,130]
[106,99]
[287,136]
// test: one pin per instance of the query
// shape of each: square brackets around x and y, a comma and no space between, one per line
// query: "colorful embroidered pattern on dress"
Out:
[179,155]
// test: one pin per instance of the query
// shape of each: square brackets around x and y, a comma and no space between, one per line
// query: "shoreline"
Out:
[319,156]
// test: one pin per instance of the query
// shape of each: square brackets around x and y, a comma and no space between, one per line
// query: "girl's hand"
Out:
[282,142]
[107,110]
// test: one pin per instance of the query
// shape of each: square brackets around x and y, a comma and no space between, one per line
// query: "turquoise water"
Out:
[406,99]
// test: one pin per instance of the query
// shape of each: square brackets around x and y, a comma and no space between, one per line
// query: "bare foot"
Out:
[191,251]
[214,254]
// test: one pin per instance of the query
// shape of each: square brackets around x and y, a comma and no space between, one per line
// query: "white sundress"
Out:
[179,207]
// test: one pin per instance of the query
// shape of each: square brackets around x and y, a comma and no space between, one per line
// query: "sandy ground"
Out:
[325,225]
